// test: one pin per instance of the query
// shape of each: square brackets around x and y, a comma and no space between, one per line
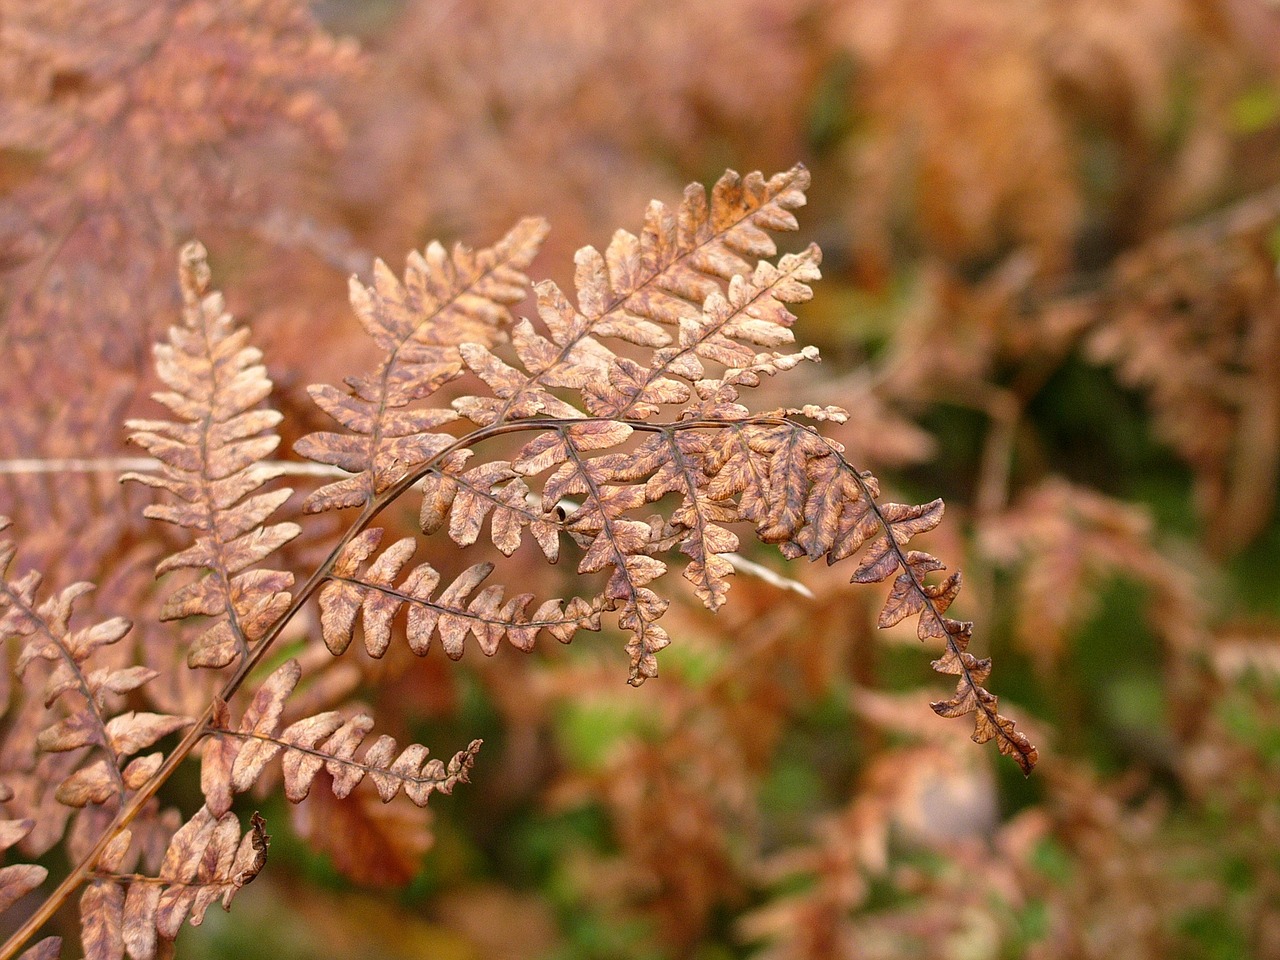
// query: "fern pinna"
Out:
[631,396]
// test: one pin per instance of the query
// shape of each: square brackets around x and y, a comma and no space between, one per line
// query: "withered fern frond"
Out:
[617,429]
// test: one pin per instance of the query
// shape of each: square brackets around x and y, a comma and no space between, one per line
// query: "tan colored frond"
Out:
[236,757]
[613,542]
[804,496]
[212,464]
[465,498]
[445,300]
[208,860]
[728,330]
[376,593]
[638,286]
[83,691]
[703,270]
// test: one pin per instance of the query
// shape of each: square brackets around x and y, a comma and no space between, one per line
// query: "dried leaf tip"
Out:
[194,274]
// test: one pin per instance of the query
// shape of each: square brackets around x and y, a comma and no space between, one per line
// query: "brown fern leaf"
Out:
[374,596]
[751,313]
[212,465]
[611,539]
[723,462]
[85,692]
[207,860]
[637,285]
[235,759]
[812,503]
[689,270]
[445,300]
[466,497]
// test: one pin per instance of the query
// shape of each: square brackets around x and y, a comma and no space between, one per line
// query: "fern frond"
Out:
[813,503]
[84,690]
[751,313]
[635,288]
[234,759]
[611,539]
[212,464]
[373,595]
[96,770]
[445,300]
[466,498]
[697,313]
[208,860]
[688,269]
[702,270]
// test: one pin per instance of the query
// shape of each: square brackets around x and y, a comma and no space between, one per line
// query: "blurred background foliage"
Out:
[1051,232]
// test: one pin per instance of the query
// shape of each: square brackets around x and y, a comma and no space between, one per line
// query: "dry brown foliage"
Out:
[1023,208]
[649,369]
[1193,319]
[487,85]
[978,124]
[116,145]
